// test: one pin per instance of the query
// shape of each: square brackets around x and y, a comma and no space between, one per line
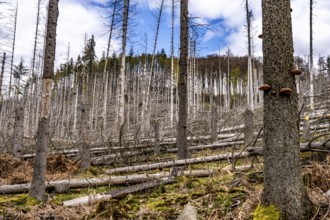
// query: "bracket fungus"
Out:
[265,87]
[296,72]
[286,91]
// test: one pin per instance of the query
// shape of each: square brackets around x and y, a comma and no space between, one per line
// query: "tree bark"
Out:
[3,62]
[38,185]
[283,185]
[172,68]
[121,78]
[182,84]
[18,129]
[13,50]
[248,127]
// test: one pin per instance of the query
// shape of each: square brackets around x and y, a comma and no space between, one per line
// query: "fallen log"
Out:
[209,146]
[110,159]
[167,164]
[304,147]
[106,159]
[62,186]
[118,193]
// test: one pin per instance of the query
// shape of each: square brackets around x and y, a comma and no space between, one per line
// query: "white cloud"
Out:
[76,19]
[231,11]
[233,15]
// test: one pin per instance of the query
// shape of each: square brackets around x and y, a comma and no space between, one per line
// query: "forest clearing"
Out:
[151,135]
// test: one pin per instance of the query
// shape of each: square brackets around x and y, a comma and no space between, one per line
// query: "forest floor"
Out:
[227,194]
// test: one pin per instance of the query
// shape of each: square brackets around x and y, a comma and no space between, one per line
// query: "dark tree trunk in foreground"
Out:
[283,185]
[38,185]
[182,84]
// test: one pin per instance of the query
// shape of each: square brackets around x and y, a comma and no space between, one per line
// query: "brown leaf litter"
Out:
[15,171]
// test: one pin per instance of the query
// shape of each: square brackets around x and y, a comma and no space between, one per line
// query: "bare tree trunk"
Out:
[283,185]
[38,185]
[182,84]
[83,122]
[311,66]
[248,127]
[105,71]
[155,124]
[249,116]
[1,75]
[172,67]
[121,79]
[13,50]
[18,129]
[214,114]
[228,82]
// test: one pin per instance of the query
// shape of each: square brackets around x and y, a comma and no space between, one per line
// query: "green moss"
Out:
[94,171]
[306,155]
[15,199]
[30,201]
[112,209]
[270,212]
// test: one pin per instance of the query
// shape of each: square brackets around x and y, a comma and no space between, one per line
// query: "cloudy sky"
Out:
[225,22]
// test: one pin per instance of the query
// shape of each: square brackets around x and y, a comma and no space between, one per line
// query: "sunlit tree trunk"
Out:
[172,68]
[283,185]
[182,84]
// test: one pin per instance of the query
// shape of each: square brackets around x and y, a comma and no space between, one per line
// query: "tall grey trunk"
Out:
[105,71]
[182,84]
[228,82]
[250,70]
[214,114]
[38,186]
[18,129]
[1,75]
[121,78]
[155,124]
[311,66]
[248,127]
[172,67]
[83,124]
[13,50]
[283,185]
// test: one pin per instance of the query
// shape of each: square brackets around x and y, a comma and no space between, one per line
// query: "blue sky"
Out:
[225,20]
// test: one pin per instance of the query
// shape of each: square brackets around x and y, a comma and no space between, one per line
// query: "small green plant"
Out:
[270,212]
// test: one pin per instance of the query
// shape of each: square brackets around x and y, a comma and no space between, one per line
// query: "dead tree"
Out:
[249,116]
[38,185]
[13,49]
[182,84]
[172,67]
[121,78]
[2,73]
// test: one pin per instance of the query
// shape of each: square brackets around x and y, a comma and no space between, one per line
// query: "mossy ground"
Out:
[266,213]
[225,195]
[164,202]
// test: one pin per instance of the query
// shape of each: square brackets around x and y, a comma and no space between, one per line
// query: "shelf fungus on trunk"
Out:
[286,91]
[265,87]
[296,72]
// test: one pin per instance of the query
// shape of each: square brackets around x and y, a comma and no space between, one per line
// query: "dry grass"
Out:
[14,171]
